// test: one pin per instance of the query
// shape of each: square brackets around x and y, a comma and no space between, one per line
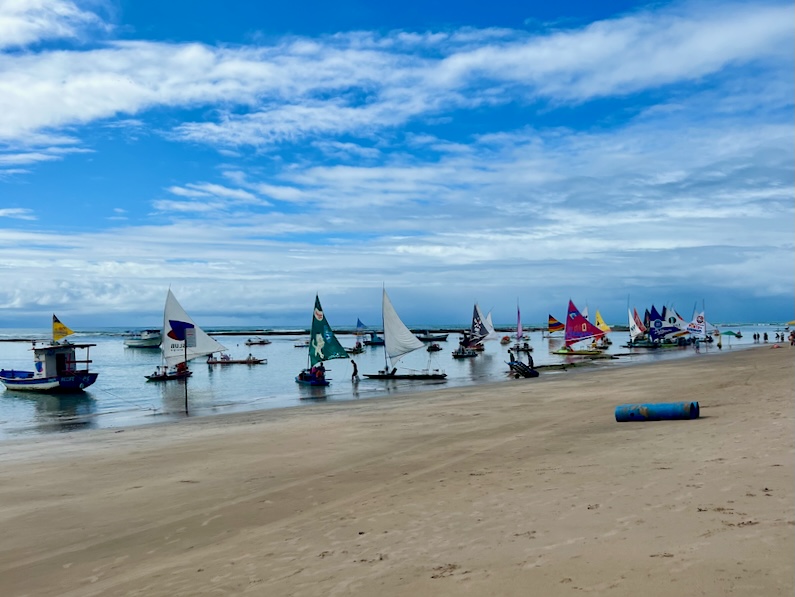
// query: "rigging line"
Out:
[117,397]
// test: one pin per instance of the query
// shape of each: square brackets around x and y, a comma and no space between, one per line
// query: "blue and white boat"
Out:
[56,367]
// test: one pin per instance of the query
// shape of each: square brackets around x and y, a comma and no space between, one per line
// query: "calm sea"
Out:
[122,396]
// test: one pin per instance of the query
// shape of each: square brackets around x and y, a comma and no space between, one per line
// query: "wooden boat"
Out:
[357,349]
[183,340]
[579,329]
[426,336]
[144,339]
[55,366]
[463,352]
[323,345]
[166,373]
[257,341]
[398,342]
[374,340]
[577,352]
[433,347]
[225,359]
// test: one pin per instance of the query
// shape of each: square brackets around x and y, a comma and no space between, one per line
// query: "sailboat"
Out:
[358,347]
[659,328]
[637,332]
[600,323]
[56,368]
[520,346]
[323,346]
[555,326]
[183,340]
[398,342]
[471,339]
[578,329]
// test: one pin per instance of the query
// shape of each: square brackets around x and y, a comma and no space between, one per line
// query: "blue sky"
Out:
[250,155]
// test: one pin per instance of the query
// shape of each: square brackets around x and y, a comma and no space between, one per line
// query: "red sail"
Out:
[578,328]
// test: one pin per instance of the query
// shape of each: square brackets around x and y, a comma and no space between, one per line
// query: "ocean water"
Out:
[123,397]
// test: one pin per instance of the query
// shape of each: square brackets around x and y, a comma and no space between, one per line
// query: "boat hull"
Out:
[432,337]
[139,343]
[417,376]
[584,353]
[238,362]
[169,376]
[76,382]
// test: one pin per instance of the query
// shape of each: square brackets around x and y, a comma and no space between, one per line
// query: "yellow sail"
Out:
[59,330]
[600,323]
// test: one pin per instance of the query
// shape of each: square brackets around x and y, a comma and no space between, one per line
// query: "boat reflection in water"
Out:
[58,412]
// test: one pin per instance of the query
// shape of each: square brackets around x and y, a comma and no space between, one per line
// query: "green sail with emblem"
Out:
[323,344]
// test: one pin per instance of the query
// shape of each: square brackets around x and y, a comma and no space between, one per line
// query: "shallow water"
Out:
[122,396]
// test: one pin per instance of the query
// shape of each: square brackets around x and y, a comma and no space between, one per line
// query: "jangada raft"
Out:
[56,367]
[323,346]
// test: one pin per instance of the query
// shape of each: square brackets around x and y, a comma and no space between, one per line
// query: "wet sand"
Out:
[525,487]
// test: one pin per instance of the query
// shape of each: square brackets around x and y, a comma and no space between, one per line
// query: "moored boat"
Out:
[579,329]
[374,340]
[427,336]
[166,372]
[225,359]
[323,345]
[398,342]
[56,366]
[183,340]
[257,341]
[144,339]
[464,352]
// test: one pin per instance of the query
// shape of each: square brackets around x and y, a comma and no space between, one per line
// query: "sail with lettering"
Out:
[659,327]
[698,326]
[183,340]
[578,328]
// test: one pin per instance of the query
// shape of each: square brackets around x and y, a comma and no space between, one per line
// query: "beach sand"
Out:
[527,487]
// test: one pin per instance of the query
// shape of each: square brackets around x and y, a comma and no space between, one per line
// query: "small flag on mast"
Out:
[59,330]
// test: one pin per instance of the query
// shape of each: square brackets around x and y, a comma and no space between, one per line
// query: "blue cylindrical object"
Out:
[664,411]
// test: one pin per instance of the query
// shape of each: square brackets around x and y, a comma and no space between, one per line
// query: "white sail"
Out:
[398,339]
[675,321]
[698,327]
[175,323]
[492,335]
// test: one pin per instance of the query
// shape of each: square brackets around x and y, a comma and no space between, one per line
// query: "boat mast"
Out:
[383,327]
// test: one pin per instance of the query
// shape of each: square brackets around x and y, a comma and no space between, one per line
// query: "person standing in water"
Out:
[355,374]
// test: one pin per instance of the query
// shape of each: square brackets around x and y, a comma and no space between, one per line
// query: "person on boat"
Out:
[320,372]
[250,357]
[355,374]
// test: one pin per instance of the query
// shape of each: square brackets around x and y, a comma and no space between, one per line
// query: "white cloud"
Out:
[354,83]
[19,213]
[25,22]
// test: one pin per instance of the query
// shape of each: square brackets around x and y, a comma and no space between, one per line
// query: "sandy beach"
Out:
[524,487]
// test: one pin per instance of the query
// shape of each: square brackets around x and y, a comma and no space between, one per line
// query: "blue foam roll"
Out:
[664,411]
